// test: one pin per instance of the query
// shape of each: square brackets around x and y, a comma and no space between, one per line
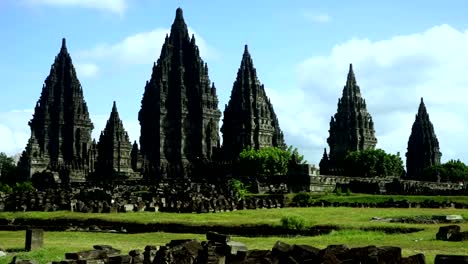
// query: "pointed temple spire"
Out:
[64,45]
[423,146]
[60,127]
[249,118]
[351,128]
[178,128]
[114,151]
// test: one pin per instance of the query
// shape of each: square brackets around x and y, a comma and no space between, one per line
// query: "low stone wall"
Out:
[377,185]
[164,197]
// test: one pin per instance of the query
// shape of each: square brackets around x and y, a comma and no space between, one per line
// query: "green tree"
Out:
[372,163]
[264,162]
[8,169]
[451,171]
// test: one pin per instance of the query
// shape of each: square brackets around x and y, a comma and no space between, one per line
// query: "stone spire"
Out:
[249,118]
[60,127]
[179,114]
[114,148]
[351,128]
[423,146]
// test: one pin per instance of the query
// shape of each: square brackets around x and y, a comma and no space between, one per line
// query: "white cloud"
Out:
[142,48]
[14,131]
[86,70]
[320,18]
[393,75]
[115,6]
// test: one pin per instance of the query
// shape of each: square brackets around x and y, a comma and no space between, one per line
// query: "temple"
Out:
[179,115]
[351,129]
[114,149]
[60,127]
[249,118]
[423,146]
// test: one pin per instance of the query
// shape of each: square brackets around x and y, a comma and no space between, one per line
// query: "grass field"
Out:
[352,219]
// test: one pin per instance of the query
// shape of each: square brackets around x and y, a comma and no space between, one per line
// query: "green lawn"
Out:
[57,243]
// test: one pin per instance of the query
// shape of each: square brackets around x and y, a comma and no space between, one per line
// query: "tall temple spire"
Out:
[179,114]
[423,146]
[64,45]
[60,127]
[351,128]
[249,118]
[114,150]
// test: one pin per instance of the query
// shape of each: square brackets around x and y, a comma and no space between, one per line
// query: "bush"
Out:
[238,188]
[338,191]
[295,222]
[21,187]
[5,188]
[302,199]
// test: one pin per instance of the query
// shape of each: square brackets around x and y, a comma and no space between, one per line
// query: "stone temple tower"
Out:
[114,151]
[423,146]
[179,113]
[60,127]
[351,129]
[249,118]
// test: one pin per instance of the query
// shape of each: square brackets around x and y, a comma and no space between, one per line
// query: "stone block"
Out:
[450,259]
[445,232]
[216,237]
[34,239]
[415,259]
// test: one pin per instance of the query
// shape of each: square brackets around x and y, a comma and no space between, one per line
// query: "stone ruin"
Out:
[220,249]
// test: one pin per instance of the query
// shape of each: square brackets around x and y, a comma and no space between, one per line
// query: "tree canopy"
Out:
[451,171]
[8,169]
[373,163]
[268,161]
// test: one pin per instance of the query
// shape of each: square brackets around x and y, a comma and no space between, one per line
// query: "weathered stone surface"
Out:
[179,114]
[249,119]
[16,260]
[445,232]
[423,146]
[415,259]
[34,239]
[450,259]
[60,128]
[216,237]
[114,149]
[351,128]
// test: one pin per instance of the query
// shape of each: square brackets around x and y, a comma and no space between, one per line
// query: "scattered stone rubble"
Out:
[221,249]
[167,197]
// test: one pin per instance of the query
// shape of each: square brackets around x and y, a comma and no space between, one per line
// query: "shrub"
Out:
[24,187]
[5,188]
[302,199]
[338,191]
[295,222]
[238,188]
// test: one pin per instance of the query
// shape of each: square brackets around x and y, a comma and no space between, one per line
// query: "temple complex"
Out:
[179,113]
[423,146]
[249,119]
[114,159]
[351,129]
[60,127]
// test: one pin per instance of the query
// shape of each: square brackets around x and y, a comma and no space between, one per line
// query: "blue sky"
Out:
[401,51]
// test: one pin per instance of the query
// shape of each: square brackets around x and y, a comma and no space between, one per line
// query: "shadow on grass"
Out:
[15,250]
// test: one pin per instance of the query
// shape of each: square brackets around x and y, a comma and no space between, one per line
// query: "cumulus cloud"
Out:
[86,70]
[141,48]
[14,131]
[393,75]
[320,18]
[115,6]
